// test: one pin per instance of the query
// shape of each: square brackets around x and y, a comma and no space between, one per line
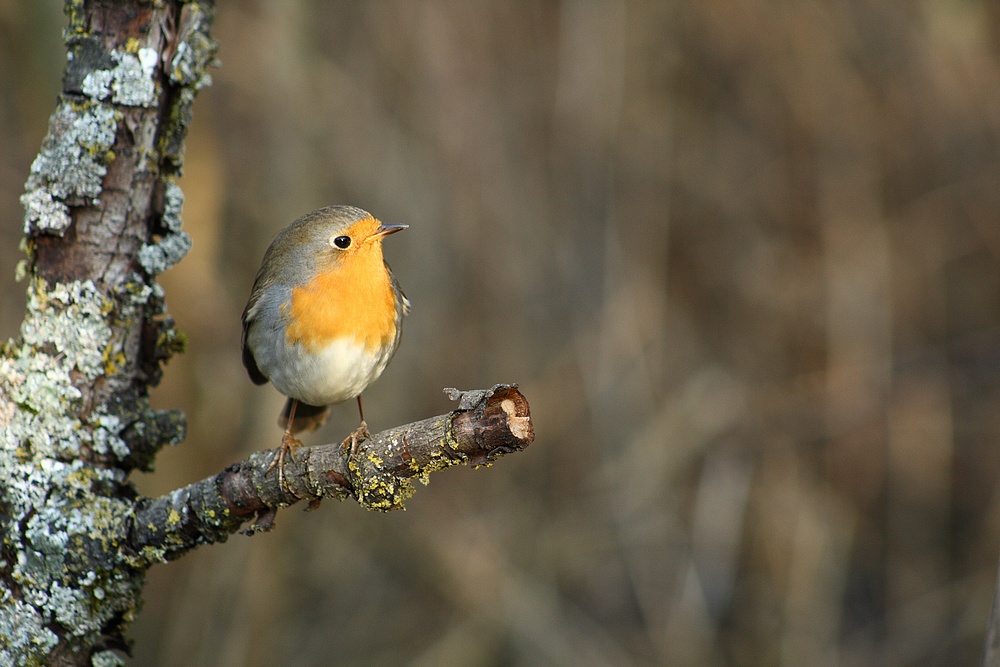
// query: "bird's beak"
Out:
[385,230]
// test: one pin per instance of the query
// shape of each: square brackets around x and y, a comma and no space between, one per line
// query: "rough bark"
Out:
[102,219]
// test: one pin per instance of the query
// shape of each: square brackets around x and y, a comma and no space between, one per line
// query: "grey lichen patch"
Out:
[131,82]
[173,201]
[188,70]
[195,49]
[71,318]
[107,659]
[140,293]
[48,545]
[44,215]
[105,438]
[58,528]
[71,164]
[134,84]
[156,258]
[46,571]
[159,256]
[97,84]
[25,631]
[38,375]
[66,342]
[190,65]
[42,388]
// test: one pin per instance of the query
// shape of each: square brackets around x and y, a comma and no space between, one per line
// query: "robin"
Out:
[323,318]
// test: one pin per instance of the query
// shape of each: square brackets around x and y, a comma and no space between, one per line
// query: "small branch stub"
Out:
[486,425]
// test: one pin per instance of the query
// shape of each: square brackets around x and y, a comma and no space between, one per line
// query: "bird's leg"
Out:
[358,434]
[288,443]
[363,428]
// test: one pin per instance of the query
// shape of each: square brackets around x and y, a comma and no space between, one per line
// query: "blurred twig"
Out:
[991,650]
[486,425]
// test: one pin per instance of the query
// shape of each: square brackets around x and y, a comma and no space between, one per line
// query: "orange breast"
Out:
[353,300]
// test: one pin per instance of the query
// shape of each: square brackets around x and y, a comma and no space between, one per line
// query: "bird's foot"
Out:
[356,436]
[288,444]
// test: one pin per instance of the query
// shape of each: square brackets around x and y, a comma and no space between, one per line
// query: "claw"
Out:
[288,445]
[356,436]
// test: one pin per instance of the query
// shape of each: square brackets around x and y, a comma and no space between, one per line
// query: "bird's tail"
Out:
[307,417]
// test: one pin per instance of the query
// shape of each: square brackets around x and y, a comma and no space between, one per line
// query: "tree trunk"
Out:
[102,218]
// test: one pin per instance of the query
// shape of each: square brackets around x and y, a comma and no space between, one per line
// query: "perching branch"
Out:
[486,425]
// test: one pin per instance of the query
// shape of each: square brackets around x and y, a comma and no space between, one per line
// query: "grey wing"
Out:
[249,319]
[404,303]
[402,310]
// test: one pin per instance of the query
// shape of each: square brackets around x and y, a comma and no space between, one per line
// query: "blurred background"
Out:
[741,256]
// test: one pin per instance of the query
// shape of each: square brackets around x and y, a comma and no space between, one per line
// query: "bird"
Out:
[323,319]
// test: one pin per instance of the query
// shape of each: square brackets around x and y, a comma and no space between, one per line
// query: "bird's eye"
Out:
[342,241]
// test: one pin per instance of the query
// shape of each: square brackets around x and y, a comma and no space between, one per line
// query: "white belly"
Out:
[338,373]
